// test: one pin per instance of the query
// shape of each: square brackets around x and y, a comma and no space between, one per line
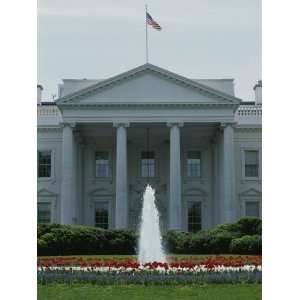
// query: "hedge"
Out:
[242,237]
[247,244]
[74,239]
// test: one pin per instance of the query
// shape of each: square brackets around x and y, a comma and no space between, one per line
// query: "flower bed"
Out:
[111,271]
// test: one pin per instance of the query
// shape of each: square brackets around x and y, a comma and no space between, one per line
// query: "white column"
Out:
[229,174]
[67,187]
[175,205]
[121,213]
[215,170]
[79,181]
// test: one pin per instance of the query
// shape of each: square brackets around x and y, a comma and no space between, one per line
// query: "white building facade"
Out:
[102,141]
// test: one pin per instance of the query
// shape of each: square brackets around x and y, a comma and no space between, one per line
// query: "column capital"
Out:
[227,124]
[175,124]
[72,125]
[121,124]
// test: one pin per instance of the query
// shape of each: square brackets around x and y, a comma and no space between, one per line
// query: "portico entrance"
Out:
[191,152]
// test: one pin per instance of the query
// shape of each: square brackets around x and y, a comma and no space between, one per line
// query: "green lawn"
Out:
[138,292]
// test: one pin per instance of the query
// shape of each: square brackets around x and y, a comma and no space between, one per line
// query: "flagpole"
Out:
[147,52]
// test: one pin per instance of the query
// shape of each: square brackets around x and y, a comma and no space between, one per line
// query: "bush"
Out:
[176,242]
[80,240]
[220,241]
[246,245]
[200,243]
[249,226]
[245,226]
[43,228]
[242,237]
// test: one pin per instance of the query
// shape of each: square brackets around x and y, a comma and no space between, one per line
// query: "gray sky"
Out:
[101,38]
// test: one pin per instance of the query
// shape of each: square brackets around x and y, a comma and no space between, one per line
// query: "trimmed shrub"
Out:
[248,244]
[44,228]
[42,247]
[245,226]
[243,237]
[76,240]
[200,243]
[220,241]
[176,242]
[231,227]
[249,226]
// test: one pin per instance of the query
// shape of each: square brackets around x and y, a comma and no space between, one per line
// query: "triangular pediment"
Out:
[46,193]
[250,193]
[101,192]
[147,84]
[195,192]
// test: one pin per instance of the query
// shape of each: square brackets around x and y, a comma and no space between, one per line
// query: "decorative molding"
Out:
[46,193]
[226,124]
[72,125]
[250,193]
[195,192]
[248,127]
[182,104]
[177,124]
[42,128]
[100,192]
[121,124]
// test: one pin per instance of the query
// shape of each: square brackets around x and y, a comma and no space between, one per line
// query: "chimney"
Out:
[39,94]
[257,90]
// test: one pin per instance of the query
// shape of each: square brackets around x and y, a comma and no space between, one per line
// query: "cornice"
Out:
[175,124]
[250,193]
[121,124]
[226,124]
[49,128]
[72,125]
[150,105]
[248,127]
[43,192]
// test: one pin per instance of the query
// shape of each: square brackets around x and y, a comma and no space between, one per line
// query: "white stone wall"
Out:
[246,189]
[153,98]
[208,189]
[49,189]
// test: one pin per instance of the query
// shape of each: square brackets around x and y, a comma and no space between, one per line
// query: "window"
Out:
[252,209]
[44,164]
[101,215]
[148,163]
[102,163]
[251,163]
[44,213]
[193,163]
[194,216]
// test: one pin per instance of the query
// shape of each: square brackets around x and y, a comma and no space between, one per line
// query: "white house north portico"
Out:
[102,141]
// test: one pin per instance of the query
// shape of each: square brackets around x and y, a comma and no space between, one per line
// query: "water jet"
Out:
[150,247]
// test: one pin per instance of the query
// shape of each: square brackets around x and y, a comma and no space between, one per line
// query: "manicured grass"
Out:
[137,292]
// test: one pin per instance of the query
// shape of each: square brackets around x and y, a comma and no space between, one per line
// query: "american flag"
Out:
[151,22]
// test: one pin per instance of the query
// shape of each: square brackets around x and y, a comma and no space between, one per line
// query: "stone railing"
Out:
[250,114]
[47,110]
[48,115]
[249,110]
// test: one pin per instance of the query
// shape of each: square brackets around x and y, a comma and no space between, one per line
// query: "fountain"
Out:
[150,240]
